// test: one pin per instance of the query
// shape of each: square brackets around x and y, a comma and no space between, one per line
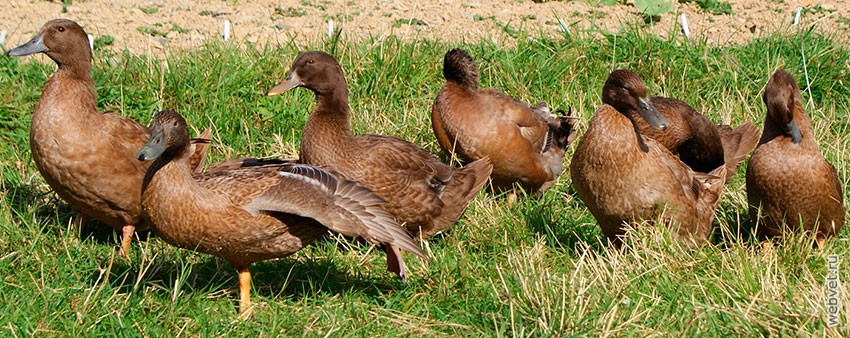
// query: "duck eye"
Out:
[311,61]
[61,29]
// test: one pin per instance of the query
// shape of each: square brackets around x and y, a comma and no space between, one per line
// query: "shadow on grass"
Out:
[280,279]
[561,231]
[51,213]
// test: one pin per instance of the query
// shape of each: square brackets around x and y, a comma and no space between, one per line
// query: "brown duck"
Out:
[526,145]
[86,156]
[623,177]
[252,214]
[691,136]
[424,194]
[789,183]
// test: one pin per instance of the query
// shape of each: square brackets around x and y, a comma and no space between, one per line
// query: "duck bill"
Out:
[154,148]
[291,81]
[36,45]
[651,115]
[793,130]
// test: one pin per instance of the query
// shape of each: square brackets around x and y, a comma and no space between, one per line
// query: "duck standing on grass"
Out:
[789,183]
[86,156]
[623,177]
[525,144]
[257,213]
[423,194]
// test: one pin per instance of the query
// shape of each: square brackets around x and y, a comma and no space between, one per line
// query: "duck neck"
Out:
[615,132]
[171,169]
[69,93]
[329,124]
[76,70]
[773,129]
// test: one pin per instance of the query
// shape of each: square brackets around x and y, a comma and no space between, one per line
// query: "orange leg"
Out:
[511,198]
[767,247]
[246,310]
[126,238]
[821,242]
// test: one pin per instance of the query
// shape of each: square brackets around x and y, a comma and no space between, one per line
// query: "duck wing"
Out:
[532,123]
[338,204]
[408,177]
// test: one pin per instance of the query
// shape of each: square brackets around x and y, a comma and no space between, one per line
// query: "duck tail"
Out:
[462,188]
[201,146]
[708,188]
[737,143]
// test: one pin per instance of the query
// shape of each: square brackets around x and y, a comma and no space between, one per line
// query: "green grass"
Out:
[533,268]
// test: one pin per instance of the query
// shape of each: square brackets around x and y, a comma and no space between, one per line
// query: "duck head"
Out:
[315,70]
[625,91]
[169,135]
[64,41]
[780,97]
[460,68]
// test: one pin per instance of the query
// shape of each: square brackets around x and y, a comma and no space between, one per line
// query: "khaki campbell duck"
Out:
[525,144]
[255,213]
[623,177]
[789,183]
[423,194]
[691,136]
[86,156]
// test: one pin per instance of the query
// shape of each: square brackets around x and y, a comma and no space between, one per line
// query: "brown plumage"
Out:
[526,145]
[693,137]
[256,213]
[789,183]
[424,194]
[86,156]
[623,177]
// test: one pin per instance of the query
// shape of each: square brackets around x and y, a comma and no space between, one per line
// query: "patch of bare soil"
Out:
[155,27]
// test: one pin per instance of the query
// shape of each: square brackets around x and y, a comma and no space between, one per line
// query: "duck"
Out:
[255,213]
[789,183]
[525,144]
[623,177]
[424,194]
[691,136]
[87,156]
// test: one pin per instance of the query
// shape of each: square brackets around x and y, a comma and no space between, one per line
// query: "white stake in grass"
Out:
[797,16]
[330,28]
[91,41]
[2,37]
[684,21]
[226,29]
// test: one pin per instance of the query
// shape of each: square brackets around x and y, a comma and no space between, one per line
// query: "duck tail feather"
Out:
[201,146]
[737,143]
[461,189]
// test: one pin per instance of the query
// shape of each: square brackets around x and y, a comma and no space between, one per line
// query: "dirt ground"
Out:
[157,27]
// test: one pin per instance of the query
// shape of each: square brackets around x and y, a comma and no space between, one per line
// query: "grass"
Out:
[537,267]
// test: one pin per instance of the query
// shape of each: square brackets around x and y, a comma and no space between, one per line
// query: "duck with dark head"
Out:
[424,194]
[789,183]
[624,177]
[87,156]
